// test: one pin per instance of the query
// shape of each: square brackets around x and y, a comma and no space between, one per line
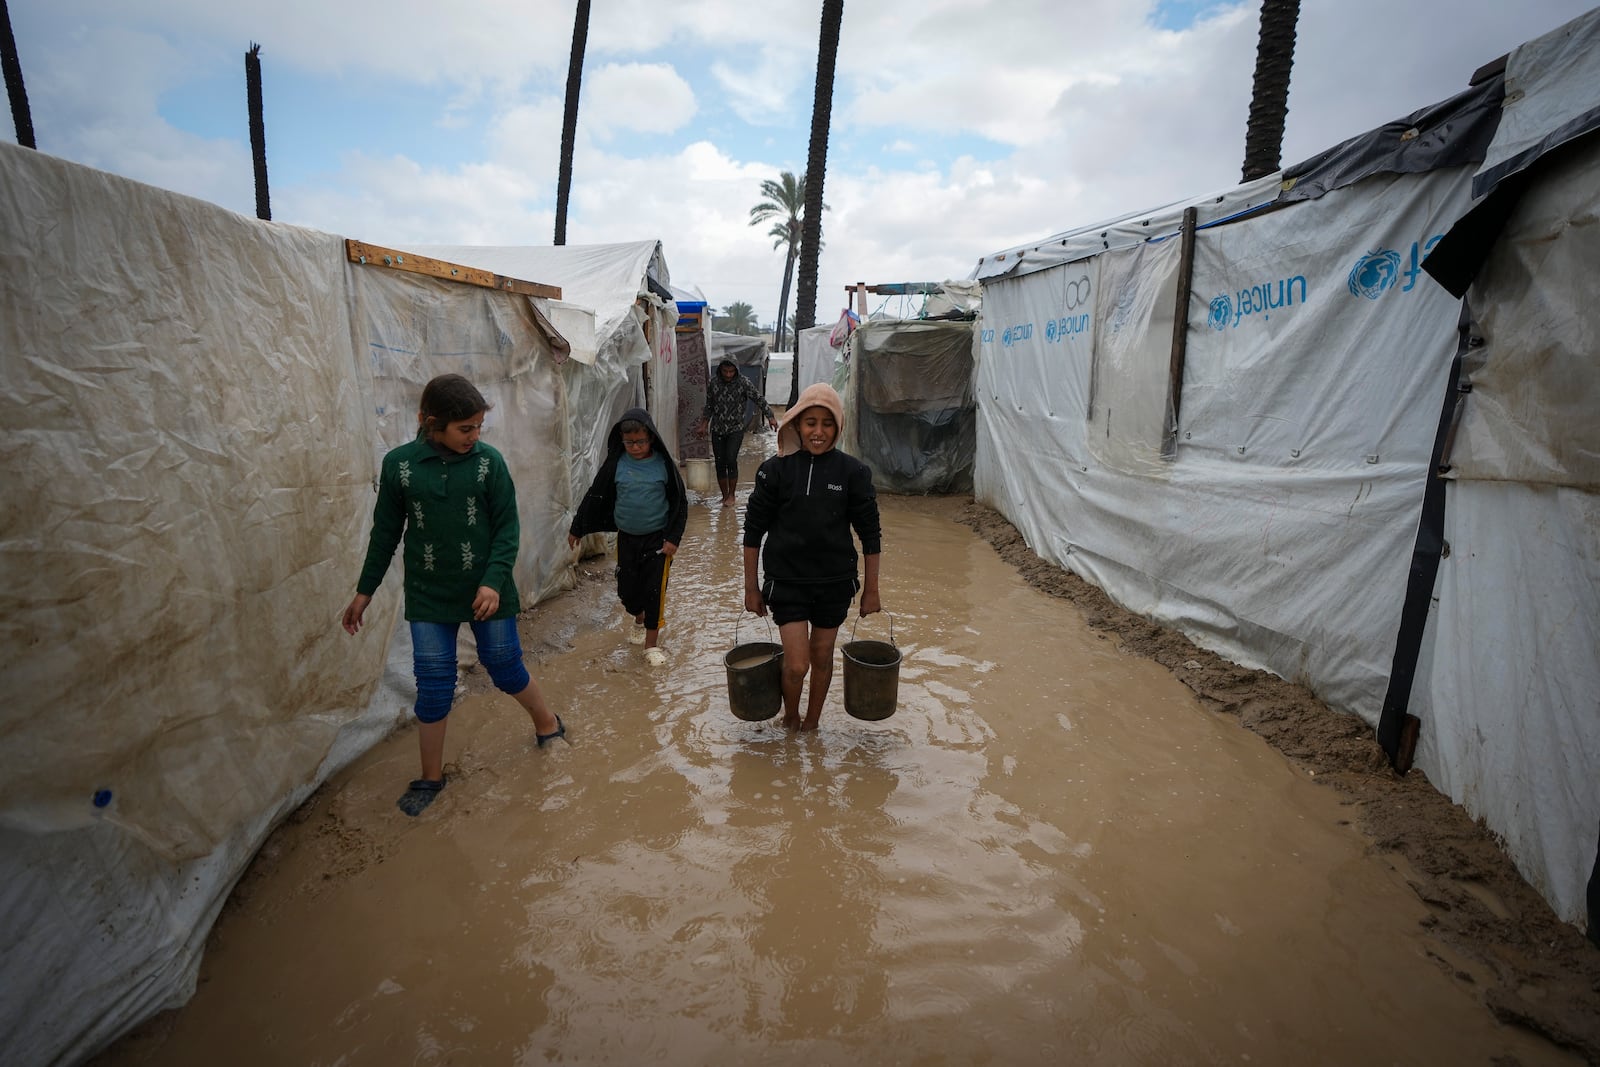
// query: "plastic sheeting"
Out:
[744,350]
[1278,526]
[634,328]
[815,360]
[912,416]
[1078,244]
[1550,99]
[1511,649]
[1314,371]
[197,404]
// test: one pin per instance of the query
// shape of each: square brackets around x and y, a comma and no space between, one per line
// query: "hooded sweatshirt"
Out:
[725,400]
[805,506]
[597,512]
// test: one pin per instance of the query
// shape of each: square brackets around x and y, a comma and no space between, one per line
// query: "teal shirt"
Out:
[641,506]
[458,517]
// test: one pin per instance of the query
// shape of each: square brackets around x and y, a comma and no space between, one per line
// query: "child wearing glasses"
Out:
[639,493]
[449,498]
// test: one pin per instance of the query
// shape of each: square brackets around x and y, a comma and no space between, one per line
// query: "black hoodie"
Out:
[597,510]
[805,507]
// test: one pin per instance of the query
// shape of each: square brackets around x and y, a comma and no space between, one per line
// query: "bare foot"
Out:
[809,724]
[727,501]
[791,722]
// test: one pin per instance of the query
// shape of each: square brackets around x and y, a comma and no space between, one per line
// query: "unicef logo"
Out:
[1221,312]
[1051,330]
[1005,337]
[1077,293]
[1374,273]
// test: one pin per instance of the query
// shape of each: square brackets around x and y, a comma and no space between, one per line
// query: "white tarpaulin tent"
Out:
[1256,478]
[197,402]
[1508,679]
[816,359]
[911,413]
[628,287]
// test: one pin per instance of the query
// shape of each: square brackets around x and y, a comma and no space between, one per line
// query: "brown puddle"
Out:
[1053,851]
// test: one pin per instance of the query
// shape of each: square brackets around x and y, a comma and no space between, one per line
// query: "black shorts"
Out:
[822,604]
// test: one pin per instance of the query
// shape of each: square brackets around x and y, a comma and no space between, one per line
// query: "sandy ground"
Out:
[1546,975]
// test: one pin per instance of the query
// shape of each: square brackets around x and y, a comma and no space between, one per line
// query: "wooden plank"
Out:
[378,256]
[1180,338]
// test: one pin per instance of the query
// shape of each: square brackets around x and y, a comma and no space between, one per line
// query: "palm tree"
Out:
[805,312]
[569,120]
[21,116]
[1269,100]
[785,200]
[737,317]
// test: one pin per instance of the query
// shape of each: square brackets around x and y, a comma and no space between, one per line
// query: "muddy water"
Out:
[1050,853]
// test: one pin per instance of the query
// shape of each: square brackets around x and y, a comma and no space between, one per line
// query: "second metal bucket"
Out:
[755,680]
[871,677]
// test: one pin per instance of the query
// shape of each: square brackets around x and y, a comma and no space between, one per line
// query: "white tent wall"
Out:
[1281,526]
[815,360]
[1511,649]
[197,402]
[1305,428]
[634,328]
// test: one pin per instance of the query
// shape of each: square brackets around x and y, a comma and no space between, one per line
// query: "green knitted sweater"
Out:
[458,516]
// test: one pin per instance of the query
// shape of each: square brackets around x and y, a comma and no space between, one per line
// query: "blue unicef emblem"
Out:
[1051,330]
[1374,273]
[1221,312]
[1005,337]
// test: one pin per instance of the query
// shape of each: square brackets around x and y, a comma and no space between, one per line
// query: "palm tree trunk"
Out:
[805,314]
[783,296]
[1269,101]
[569,119]
[258,130]
[21,117]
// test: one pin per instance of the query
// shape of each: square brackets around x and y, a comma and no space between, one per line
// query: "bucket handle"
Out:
[737,619]
[891,629]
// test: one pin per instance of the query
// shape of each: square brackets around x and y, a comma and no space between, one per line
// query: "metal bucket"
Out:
[755,680]
[871,677]
[700,474]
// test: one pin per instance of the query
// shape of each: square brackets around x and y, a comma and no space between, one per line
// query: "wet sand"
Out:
[1061,847]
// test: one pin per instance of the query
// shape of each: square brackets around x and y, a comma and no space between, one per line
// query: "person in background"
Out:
[449,497]
[805,503]
[726,394]
[639,493]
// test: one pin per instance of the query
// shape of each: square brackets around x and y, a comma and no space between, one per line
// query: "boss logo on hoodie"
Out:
[836,488]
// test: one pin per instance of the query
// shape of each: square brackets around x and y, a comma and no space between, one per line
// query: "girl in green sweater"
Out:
[449,497]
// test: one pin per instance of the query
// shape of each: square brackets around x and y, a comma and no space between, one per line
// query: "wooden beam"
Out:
[378,256]
[1180,337]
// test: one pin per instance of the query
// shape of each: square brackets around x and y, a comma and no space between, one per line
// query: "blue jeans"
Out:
[433,661]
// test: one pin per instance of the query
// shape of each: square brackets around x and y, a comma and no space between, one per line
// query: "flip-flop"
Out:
[419,795]
[560,731]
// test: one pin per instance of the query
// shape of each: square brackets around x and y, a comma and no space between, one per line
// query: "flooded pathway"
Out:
[1050,854]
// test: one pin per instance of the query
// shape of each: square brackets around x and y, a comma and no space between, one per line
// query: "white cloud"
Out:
[639,97]
[395,202]
[761,85]
[528,136]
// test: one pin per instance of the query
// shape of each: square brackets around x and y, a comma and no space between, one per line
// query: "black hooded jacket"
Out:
[597,511]
[805,507]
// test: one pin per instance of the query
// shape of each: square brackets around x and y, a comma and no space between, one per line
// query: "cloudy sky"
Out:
[959,128]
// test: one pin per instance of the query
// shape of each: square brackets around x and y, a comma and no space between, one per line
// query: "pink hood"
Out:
[819,395]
